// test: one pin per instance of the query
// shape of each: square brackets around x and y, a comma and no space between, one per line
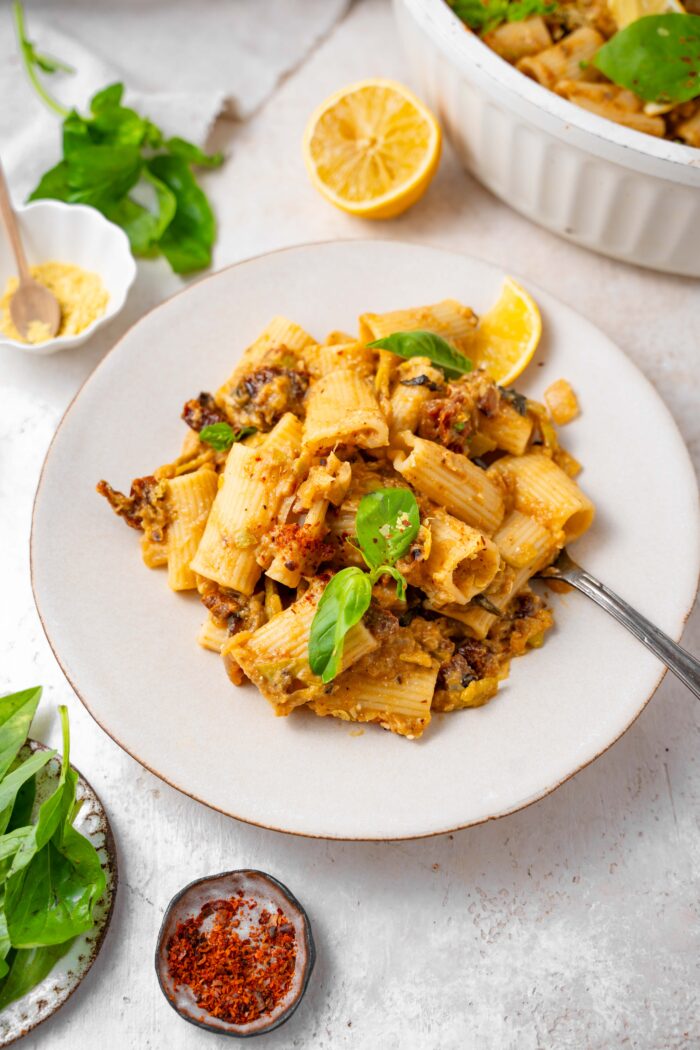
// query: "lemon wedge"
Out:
[507,335]
[372,149]
[626,11]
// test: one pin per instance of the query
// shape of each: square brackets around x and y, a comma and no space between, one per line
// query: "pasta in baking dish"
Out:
[362,524]
[635,62]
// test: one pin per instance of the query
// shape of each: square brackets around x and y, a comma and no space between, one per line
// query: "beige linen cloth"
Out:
[184,62]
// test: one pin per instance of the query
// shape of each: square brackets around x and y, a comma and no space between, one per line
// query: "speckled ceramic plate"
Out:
[49,995]
[127,644]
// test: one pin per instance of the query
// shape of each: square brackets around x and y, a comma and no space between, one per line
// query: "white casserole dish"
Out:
[604,186]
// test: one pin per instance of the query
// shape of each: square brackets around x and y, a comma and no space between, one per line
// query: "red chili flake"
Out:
[236,978]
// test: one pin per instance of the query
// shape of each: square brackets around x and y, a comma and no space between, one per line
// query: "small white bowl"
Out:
[71,233]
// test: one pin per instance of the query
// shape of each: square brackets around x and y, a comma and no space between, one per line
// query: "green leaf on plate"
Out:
[426,344]
[222,435]
[342,604]
[386,523]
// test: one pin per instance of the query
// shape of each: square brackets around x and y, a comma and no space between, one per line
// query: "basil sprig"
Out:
[120,163]
[51,875]
[657,57]
[222,435]
[421,343]
[387,522]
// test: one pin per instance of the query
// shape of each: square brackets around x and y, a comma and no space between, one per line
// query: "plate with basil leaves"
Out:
[58,871]
[127,644]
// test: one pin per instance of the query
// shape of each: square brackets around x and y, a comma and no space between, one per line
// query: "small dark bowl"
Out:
[270,894]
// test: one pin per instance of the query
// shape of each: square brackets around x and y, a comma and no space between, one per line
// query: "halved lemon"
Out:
[507,334]
[626,11]
[372,149]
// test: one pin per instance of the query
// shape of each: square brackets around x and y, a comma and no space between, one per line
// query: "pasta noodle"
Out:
[251,489]
[263,523]
[189,498]
[462,562]
[275,657]
[542,489]
[342,408]
[402,706]
[452,481]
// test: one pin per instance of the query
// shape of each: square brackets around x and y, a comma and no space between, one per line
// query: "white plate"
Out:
[23,1015]
[127,644]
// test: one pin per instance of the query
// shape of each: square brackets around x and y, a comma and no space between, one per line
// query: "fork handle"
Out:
[683,665]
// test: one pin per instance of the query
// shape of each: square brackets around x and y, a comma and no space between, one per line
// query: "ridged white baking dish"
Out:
[604,186]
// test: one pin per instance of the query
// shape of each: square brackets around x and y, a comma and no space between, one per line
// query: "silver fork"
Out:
[683,665]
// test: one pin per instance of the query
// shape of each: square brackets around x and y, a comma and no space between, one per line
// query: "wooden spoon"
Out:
[31,303]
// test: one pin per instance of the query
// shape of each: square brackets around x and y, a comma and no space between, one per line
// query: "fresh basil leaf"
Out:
[193,154]
[47,63]
[386,523]
[221,435]
[16,713]
[478,15]
[343,603]
[107,98]
[28,968]
[53,813]
[188,240]
[56,877]
[10,843]
[144,227]
[98,175]
[657,57]
[5,944]
[118,127]
[13,781]
[76,134]
[519,10]
[53,185]
[391,570]
[60,888]
[21,814]
[426,344]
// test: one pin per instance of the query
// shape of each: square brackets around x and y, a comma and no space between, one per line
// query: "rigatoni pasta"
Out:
[452,481]
[611,57]
[189,498]
[261,514]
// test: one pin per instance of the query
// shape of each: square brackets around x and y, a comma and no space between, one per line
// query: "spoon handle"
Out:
[9,219]
[683,665]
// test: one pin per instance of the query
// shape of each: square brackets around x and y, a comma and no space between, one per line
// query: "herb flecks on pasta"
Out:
[362,525]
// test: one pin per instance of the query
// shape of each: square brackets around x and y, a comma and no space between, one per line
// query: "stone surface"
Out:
[573,924]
